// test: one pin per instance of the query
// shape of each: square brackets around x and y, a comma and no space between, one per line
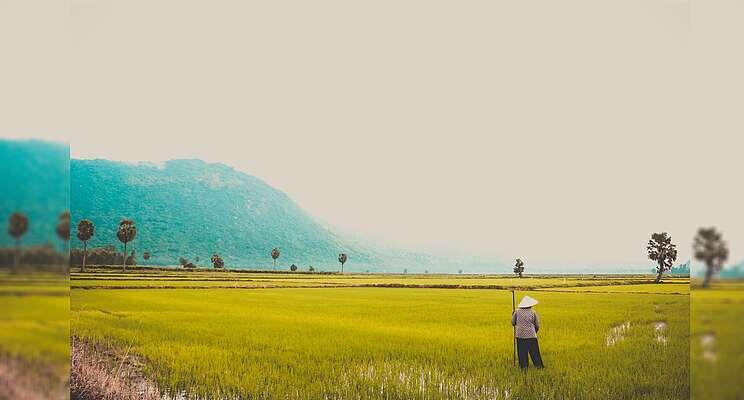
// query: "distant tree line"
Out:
[39,255]
[126,233]
[44,255]
[708,247]
[107,255]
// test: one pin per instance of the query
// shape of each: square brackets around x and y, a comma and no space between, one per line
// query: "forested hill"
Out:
[190,208]
[36,182]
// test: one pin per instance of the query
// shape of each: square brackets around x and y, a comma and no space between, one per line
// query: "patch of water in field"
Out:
[708,343]
[617,333]
[660,330]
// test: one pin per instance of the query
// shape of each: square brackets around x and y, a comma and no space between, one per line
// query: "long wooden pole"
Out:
[514,309]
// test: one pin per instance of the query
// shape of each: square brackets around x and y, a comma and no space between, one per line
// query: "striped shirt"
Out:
[527,323]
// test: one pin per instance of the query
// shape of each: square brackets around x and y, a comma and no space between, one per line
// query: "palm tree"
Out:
[342,259]
[275,254]
[519,267]
[126,233]
[709,247]
[85,231]
[17,226]
[63,229]
[663,251]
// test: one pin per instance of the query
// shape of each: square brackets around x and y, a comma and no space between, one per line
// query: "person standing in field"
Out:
[527,323]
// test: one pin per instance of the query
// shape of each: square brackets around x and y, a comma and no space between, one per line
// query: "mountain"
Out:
[190,209]
[36,179]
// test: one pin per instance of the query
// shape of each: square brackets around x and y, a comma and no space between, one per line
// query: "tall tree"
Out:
[126,233]
[85,231]
[275,254]
[217,261]
[17,226]
[663,252]
[709,247]
[63,230]
[342,259]
[519,267]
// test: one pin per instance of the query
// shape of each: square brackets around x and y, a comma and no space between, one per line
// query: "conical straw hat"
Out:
[527,302]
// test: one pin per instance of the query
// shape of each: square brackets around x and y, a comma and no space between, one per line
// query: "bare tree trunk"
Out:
[85,254]
[17,258]
[124,265]
[342,268]
[659,271]
[708,275]
[520,274]
[67,258]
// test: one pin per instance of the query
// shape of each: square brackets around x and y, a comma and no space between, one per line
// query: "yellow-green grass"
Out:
[196,279]
[717,348]
[669,288]
[193,284]
[35,328]
[34,284]
[372,343]
[212,274]
[27,290]
[35,318]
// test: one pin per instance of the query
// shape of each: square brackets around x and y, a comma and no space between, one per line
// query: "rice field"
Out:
[668,288]
[34,323]
[180,278]
[348,342]
[34,336]
[717,349]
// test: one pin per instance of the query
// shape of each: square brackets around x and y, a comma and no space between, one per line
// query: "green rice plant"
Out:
[35,321]
[392,343]
[201,279]
[676,288]
[717,349]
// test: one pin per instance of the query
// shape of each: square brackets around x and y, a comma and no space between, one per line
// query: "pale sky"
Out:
[562,132]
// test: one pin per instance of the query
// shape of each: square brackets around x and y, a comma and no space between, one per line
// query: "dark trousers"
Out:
[528,346]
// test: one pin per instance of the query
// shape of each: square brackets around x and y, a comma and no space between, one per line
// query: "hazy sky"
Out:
[564,132]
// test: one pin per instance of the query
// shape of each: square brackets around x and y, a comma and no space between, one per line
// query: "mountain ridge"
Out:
[189,208]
